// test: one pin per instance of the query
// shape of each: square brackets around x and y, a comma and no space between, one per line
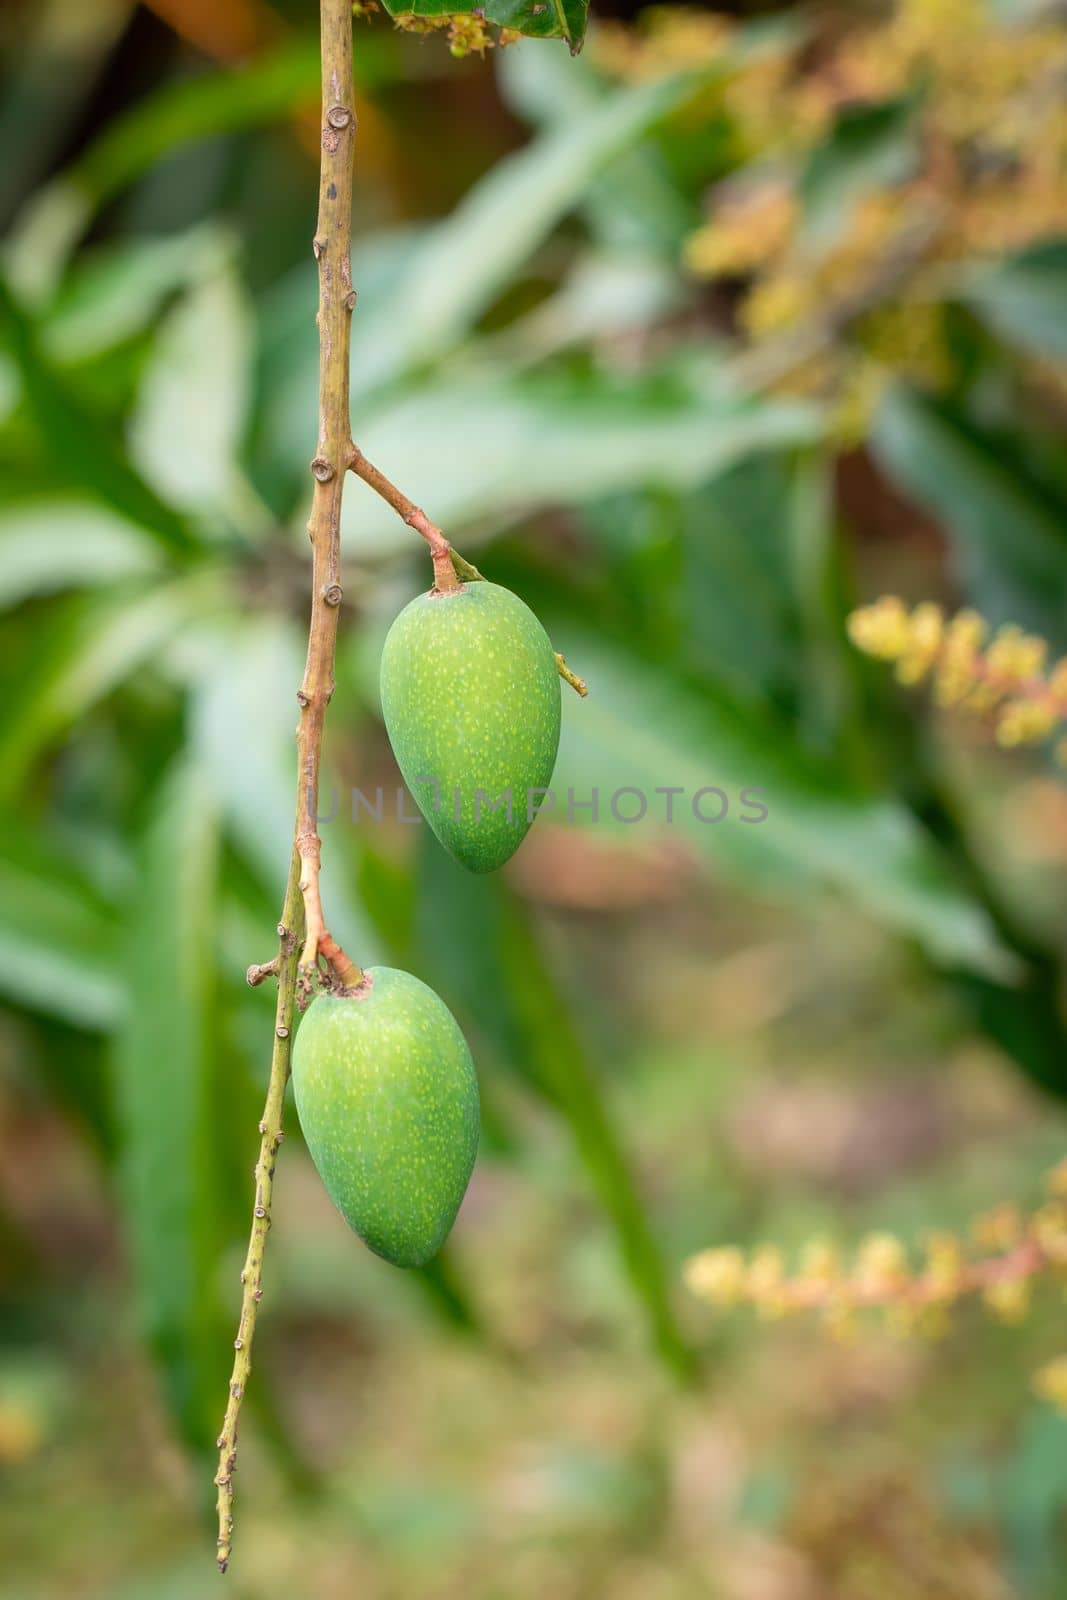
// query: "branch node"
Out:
[260,971]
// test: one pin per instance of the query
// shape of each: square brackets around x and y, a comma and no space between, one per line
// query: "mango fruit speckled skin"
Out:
[471,697]
[388,1102]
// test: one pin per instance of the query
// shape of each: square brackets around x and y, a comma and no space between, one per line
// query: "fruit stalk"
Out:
[445,575]
[302,932]
[450,570]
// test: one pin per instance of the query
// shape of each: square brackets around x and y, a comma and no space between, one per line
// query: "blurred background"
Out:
[741,318]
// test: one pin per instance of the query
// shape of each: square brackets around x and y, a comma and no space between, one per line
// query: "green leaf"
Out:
[489,447]
[1024,297]
[76,442]
[190,413]
[539,19]
[197,108]
[643,729]
[49,545]
[114,291]
[1009,539]
[735,592]
[181,112]
[59,941]
[90,649]
[479,945]
[450,277]
[164,1068]
[637,201]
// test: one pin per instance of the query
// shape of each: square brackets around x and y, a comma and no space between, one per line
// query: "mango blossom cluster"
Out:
[997,1264]
[1005,675]
[959,108]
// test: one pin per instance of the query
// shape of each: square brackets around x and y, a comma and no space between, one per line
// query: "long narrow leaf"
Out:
[163,1080]
[1009,539]
[454,273]
[648,731]
[81,449]
[478,944]
[58,939]
[89,649]
[537,445]
[49,545]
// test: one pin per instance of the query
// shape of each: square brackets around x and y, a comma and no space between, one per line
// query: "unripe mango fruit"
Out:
[471,697]
[388,1102]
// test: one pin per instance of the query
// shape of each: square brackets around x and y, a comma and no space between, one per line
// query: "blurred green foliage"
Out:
[545,360]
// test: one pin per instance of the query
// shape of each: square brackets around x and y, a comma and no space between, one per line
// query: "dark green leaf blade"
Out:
[80,447]
[642,727]
[163,1082]
[1024,297]
[1009,539]
[478,943]
[58,939]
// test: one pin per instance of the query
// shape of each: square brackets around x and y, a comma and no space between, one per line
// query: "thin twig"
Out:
[579,685]
[262,970]
[302,932]
[290,933]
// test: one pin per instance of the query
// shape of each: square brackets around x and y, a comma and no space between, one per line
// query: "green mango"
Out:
[388,1102]
[471,697]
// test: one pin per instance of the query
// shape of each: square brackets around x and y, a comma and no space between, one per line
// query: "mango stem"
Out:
[449,568]
[343,967]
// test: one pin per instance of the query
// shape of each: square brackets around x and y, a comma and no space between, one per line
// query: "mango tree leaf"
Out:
[635,203]
[164,1073]
[467,259]
[477,943]
[91,648]
[1009,539]
[190,412]
[647,731]
[115,290]
[1024,297]
[68,544]
[489,446]
[181,112]
[59,941]
[197,108]
[78,445]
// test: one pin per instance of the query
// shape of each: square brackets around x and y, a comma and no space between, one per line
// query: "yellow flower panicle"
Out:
[468,33]
[1051,1382]
[986,175]
[912,1293]
[1006,677]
